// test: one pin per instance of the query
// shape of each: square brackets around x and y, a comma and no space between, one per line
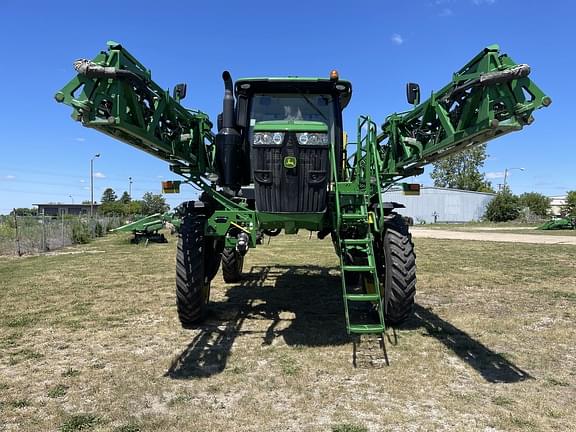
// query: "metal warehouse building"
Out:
[435,204]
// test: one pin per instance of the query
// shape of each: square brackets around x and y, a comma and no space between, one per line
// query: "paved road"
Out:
[492,235]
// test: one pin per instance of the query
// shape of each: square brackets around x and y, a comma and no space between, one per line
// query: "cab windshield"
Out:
[292,106]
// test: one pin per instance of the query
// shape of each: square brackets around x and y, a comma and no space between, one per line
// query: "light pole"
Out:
[72,198]
[506,174]
[97,155]
[130,187]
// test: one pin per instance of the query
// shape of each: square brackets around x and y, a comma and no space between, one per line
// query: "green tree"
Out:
[504,207]
[23,211]
[462,171]
[112,208]
[537,203]
[134,208]
[125,198]
[153,203]
[108,196]
[571,203]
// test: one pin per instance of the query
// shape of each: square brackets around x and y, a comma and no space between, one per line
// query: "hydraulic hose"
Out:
[491,78]
[91,70]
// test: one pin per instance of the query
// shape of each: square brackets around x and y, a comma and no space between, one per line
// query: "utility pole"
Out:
[506,174]
[97,155]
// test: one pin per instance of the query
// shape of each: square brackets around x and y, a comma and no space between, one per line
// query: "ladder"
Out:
[354,224]
[358,271]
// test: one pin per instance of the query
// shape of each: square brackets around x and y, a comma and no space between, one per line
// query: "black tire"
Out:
[397,271]
[192,285]
[232,264]
[213,256]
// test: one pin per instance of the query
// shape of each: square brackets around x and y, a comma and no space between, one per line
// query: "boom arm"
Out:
[114,93]
[489,97]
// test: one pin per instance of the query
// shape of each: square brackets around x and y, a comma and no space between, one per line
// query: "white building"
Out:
[556,204]
[435,204]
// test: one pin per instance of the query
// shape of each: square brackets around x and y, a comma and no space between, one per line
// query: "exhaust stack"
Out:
[228,142]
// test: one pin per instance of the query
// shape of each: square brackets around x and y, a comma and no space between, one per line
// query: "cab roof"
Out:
[287,84]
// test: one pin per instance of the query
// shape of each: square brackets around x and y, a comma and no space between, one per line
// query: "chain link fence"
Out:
[22,235]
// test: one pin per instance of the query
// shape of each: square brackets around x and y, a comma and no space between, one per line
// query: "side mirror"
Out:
[413,93]
[179,92]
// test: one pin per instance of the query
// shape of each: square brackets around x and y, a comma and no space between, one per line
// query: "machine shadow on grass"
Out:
[304,305]
[493,367]
[311,295]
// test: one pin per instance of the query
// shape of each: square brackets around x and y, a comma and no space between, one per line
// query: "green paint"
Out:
[290,126]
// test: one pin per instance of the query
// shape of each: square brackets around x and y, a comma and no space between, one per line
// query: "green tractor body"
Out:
[288,127]
[281,162]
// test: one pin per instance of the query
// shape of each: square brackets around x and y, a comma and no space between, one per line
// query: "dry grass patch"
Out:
[91,342]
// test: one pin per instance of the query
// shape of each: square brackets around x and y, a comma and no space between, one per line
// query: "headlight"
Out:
[308,138]
[277,138]
[268,138]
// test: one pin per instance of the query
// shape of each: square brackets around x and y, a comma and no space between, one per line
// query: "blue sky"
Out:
[378,45]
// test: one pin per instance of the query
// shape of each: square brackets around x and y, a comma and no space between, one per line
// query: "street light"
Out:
[72,198]
[506,174]
[97,155]
[130,187]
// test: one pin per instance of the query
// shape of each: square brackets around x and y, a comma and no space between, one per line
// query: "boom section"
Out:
[114,93]
[489,97]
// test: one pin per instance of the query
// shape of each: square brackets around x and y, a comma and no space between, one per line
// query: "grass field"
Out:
[499,228]
[89,340]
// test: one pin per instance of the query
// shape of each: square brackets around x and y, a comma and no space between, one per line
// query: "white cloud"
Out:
[85,188]
[483,2]
[9,177]
[82,181]
[80,139]
[99,175]
[495,175]
[446,12]
[160,176]
[397,39]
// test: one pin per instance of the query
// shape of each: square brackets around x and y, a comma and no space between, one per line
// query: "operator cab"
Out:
[287,127]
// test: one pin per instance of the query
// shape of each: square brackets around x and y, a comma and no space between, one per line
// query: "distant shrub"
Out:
[570,209]
[98,230]
[7,230]
[504,207]
[538,204]
[80,233]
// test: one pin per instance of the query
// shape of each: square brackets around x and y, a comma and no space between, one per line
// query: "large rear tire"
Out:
[192,285]
[397,271]
[232,264]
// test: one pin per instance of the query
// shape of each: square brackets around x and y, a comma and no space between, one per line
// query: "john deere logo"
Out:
[290,162]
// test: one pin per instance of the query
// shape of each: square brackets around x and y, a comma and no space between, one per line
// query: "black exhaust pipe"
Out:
[228,142]
[228,120]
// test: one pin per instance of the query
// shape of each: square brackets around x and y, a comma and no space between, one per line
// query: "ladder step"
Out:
[352,192]
[363,297]
[356,242]
[358,268]
[354,216]
[366,328]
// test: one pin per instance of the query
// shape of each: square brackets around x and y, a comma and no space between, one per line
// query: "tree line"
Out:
[149,204]
[462,171]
